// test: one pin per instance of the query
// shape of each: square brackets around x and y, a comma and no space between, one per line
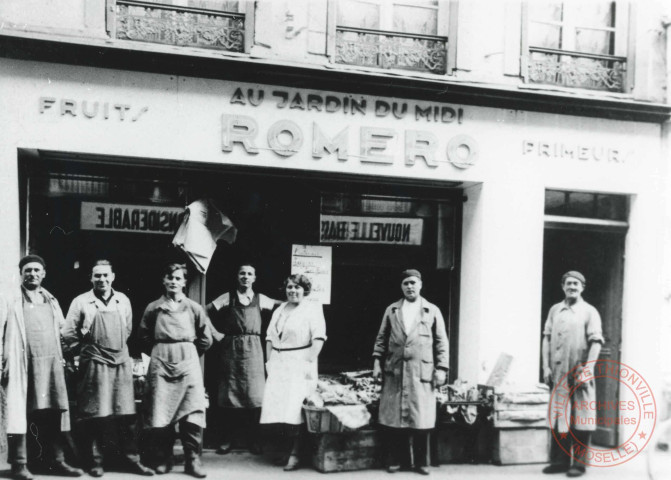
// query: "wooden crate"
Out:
[347,451]
[521,445]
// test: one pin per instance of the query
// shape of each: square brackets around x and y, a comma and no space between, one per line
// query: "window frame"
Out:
[245,7]
[624,43]
[446,27]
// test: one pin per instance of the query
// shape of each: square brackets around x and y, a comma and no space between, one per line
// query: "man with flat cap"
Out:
[34,377]
[96,329]
[572,336]
[411,357]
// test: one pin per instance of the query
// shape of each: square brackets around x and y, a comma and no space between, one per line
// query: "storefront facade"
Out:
[490,202]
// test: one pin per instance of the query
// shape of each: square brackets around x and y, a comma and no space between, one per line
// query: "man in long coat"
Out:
[97,328]
[412,358]
[572,337]
[34,377]
[236,316]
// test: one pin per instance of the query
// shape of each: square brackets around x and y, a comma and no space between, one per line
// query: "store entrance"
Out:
[272,212]
[599,255]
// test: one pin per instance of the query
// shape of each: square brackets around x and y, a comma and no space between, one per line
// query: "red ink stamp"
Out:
[573,410]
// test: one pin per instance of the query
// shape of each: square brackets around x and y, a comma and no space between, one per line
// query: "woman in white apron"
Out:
[295,337]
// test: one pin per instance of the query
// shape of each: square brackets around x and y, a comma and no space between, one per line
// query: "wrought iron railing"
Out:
[177,25]
[384,49]
[576,69]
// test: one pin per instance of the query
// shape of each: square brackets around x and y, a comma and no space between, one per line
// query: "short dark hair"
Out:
[301,280]
[173,267]
[245,264]
[103,262]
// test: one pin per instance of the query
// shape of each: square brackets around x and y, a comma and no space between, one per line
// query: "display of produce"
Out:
[349,388]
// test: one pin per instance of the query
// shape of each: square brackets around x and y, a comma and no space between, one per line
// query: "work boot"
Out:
[64,470]
[556,468]
[422,470]
[224,448]
[140,469]
[292,464]
[576,471]
[193,466]
[97,471]
[20,472]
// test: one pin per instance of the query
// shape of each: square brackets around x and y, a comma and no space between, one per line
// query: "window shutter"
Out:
[317,26]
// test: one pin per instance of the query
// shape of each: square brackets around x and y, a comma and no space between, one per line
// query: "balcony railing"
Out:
[383,49]
[182,26]
[576,69]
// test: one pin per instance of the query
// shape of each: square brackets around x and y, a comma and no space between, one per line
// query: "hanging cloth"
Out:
[202,226]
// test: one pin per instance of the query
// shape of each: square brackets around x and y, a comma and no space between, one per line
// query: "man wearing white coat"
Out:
[33,375]
[412,358]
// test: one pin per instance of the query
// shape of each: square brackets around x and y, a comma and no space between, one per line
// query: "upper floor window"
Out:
[225,25]
[577,44]
[407,35]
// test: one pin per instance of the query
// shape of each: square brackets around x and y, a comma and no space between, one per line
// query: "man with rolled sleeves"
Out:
[96,329]
[236,316]
[411,356]
[572,336]
[34,378]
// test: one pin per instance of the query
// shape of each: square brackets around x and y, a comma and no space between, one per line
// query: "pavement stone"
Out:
[240,465]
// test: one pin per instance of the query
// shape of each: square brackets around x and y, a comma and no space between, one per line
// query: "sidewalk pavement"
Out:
[239,465]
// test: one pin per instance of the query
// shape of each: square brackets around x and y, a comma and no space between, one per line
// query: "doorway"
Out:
[599,255]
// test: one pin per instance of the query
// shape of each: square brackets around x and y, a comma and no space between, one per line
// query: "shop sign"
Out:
[315,262]
[373,230]
[112,217]
[573,151]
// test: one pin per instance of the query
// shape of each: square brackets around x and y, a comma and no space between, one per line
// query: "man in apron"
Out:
[34,377]
[572,336]
[411,356]
[97,328]
[237,317]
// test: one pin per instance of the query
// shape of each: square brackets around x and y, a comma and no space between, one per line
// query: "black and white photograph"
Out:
[256,239]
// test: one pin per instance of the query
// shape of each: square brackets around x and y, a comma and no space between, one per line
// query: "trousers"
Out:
[406,447]
[43,443]
[562,448]
[163,441]
[114,435]
[239,426]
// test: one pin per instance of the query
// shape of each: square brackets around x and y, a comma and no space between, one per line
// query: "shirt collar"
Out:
[166,305]
[40,290]
[95,296]
[566,306]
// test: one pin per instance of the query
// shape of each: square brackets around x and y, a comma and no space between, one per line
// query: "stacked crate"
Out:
[521,427]
[337,448]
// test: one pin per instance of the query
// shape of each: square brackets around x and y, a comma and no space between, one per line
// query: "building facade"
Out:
[492,145]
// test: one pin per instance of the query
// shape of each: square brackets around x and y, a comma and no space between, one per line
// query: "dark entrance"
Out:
[599,255]
[272,211]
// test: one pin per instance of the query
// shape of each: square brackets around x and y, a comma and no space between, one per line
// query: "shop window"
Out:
[214,24]
[577,44]
[405,35]
[586,205]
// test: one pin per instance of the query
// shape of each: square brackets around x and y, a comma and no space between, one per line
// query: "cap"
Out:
[32,259]
[574,274]
[411,272]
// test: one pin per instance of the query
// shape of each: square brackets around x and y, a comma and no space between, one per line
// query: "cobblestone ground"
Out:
[653,465]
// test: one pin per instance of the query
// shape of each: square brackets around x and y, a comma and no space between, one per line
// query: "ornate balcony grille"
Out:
[383,49]
[182,26]
[575,69]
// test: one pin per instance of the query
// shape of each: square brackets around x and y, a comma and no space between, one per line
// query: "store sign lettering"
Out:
[67,107]
[109,217]
[572,151]
[286,138]
[347,105]
[372,230]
